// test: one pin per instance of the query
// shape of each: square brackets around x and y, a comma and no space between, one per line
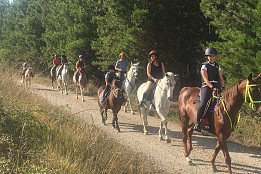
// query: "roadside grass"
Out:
[36,137]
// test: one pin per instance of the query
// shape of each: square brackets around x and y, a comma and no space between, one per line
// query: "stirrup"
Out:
[197,127]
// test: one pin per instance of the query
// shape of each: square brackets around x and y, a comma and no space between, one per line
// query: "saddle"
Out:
[207,120]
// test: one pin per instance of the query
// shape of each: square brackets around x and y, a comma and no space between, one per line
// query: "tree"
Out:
[237,25]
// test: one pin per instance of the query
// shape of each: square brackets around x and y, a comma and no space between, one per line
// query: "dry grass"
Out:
[39,138]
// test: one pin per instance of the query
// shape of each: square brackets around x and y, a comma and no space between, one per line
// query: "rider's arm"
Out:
[163,69]
[116,67]
[149,73]
[222,81]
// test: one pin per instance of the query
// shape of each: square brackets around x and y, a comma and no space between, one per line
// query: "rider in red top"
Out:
[56,62]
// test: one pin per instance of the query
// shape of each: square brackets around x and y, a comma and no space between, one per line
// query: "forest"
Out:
[100,29]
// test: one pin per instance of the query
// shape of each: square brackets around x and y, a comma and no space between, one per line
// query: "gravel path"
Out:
[167,156]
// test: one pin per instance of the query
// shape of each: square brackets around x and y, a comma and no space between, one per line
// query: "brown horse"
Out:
[80,82]
[224,117]
[114,102]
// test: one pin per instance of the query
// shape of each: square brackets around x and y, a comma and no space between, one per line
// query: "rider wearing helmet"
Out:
[212,80]
[122,67]
[110,79]
[64,59]
[155,71]
[79,64]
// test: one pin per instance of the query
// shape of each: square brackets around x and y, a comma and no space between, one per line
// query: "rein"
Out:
[247,93]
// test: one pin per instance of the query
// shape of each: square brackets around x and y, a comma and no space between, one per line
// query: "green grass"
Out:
[39,138]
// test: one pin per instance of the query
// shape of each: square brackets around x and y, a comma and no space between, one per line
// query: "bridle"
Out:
[248,94]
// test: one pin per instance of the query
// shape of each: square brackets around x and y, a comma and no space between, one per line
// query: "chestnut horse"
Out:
[114,102]
[80,82]
[224,117]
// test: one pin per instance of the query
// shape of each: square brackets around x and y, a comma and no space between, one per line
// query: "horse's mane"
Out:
[231,91]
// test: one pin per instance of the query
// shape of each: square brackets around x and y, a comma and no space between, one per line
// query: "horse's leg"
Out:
[160,130]
[131,110]
[65,86]
[115,122]
[126,104]
[190,132]
[184,123]
[214,155]
[227,156]
[144,114]
[82,92]
[76,90]
[165,122]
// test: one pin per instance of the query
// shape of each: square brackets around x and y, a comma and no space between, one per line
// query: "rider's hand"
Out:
[156,80]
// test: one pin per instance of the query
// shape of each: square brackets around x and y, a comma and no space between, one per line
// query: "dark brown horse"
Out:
[114,102]
[224,117]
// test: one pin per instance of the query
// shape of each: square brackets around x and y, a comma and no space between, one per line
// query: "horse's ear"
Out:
[258,77]
[250,77]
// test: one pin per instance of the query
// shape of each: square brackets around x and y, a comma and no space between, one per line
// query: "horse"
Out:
[53,74]
[27,77]
[162,100]
[80,82]
[129,85]
[224,117]
[63,78]
[114,102]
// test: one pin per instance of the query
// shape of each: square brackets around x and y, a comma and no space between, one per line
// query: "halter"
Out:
[247,93]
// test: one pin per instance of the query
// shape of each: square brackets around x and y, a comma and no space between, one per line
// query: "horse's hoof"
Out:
[145,133]
[66,93]
[168,141]
[160,138]
[132,113]
[214,169]
[190,163]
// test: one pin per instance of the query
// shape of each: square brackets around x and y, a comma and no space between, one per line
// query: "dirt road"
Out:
[167,156]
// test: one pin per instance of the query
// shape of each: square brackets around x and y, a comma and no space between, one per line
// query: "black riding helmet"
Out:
[210,51]
[112,67]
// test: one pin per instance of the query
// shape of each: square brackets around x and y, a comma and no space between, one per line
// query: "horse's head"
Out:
[117,93]
[253,91]
[168,83]
[134,70]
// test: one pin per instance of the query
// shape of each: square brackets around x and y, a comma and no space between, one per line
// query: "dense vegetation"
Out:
[100,30]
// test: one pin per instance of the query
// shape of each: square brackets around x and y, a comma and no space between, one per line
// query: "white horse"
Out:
[162,101]
[129,85]
[27,77]
[63,78]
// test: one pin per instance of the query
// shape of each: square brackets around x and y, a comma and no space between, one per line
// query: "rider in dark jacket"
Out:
[212,81]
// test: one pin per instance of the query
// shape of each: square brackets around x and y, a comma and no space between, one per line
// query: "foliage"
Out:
[237,25]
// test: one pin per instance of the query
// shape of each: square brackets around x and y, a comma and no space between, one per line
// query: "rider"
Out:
[212,78]
[155,71]
[26,66]
[79,64]
[64,59]
[110,79]
[122,67]
[56,62]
